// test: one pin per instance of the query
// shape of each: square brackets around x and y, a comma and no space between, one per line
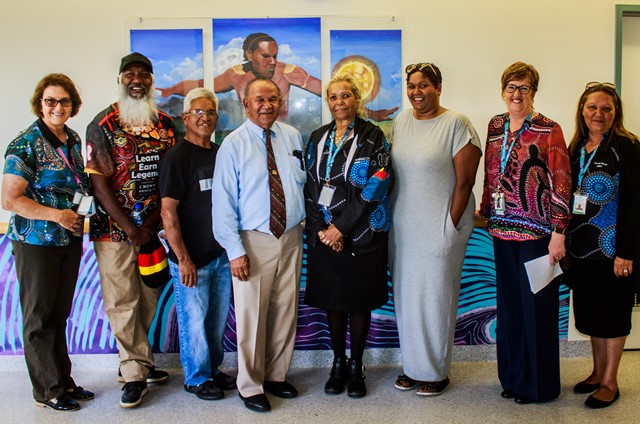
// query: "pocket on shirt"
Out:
[297,169]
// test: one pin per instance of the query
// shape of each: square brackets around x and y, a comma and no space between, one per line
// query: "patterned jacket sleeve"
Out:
[559,169]
[314,220]
[372,184]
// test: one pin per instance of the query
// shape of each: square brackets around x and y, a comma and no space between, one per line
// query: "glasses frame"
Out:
[595,84]
[420,67]
[65,102]
[199,113]
[523,89]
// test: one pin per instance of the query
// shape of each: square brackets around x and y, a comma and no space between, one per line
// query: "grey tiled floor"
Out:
[472,397]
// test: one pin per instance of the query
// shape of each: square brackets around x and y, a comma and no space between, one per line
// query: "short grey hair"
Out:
[197,93]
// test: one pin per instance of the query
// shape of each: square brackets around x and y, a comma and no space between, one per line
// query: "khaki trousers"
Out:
[267,308]
[129,305]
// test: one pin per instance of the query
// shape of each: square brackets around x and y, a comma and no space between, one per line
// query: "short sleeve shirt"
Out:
[186,175]
[130,157]
[35,155]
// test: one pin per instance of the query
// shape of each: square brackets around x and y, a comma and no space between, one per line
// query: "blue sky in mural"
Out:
[176,54]
[384,48]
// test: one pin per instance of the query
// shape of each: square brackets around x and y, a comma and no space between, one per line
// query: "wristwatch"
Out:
[559,230]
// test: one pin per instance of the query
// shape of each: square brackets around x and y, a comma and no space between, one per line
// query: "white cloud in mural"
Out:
[170,72]
[228,55]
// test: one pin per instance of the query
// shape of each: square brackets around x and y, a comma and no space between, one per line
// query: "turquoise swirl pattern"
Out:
[89,331]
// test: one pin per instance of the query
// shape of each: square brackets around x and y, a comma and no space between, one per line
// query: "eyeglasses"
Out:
[594,84]
[524,89]
[201,112]
[51,102]
[420,67]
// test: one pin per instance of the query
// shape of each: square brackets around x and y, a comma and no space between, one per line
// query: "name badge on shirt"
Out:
[206,184]
[498,203]
[326,195]
[579,203]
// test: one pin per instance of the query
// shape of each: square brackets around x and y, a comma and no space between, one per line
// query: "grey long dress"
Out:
[426,249]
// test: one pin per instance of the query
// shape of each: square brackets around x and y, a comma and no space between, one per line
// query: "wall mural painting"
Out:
[374,59]
[176,55]
[285,50]
[88,329]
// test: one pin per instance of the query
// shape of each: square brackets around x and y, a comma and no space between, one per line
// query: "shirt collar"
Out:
[251,126]
[52,138]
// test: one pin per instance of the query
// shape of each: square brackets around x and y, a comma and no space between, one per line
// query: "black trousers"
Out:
[47,277]
[527,324]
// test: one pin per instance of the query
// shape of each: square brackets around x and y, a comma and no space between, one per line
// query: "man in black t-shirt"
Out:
[199,265]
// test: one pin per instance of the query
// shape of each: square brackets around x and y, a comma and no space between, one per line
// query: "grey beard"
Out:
[137,112]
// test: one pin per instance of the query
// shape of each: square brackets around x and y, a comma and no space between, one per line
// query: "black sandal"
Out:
[404,382]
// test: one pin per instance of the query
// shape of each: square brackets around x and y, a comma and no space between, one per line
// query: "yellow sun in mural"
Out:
[364,71]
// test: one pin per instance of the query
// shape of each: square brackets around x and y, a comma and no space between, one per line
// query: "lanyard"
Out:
[71,168]
[505,152]
[584,167]
[333,149]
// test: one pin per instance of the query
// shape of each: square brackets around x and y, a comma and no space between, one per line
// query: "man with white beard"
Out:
[125,143]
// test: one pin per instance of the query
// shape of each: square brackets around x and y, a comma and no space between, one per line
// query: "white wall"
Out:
[569,42]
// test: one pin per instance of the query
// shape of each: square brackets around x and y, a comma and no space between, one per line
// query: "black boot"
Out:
[337,377]
[356,387]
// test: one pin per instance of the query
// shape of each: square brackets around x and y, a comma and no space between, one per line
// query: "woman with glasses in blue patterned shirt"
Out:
[42,184]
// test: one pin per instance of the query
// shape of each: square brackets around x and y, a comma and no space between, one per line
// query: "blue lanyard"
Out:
[505,152]
[584,167]
[333,149]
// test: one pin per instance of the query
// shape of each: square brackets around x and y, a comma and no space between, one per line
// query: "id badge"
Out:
[77,197]
[87,206]
[498,203]
[579,203]
[326,195]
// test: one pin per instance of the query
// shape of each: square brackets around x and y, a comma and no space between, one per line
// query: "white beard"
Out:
[137,112]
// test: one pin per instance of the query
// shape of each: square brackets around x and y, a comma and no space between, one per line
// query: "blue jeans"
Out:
[202,313]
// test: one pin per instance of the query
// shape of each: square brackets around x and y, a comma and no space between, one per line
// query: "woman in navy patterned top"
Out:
[348,219]
[43,180]
[604,234]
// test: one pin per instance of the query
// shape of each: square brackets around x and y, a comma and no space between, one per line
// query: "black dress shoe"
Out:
[79,393]
[61,403]
[521,400]
[205,391]
[337,376]
[507,394]
[583,388]
[258,403]
[281,389]
[224,381]
[594,403]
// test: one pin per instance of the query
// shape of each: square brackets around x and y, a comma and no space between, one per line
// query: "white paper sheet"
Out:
[540,273]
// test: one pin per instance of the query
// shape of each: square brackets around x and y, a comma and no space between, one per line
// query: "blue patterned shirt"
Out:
[33,155]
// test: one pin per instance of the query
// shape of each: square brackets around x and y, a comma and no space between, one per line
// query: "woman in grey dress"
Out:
[436,152]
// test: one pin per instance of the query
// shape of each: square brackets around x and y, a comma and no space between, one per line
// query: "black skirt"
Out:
[344,282]
[602,302]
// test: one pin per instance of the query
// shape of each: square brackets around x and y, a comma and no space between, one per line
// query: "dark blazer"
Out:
[367,218]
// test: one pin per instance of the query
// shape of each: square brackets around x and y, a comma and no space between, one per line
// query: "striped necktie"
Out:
[278,218]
